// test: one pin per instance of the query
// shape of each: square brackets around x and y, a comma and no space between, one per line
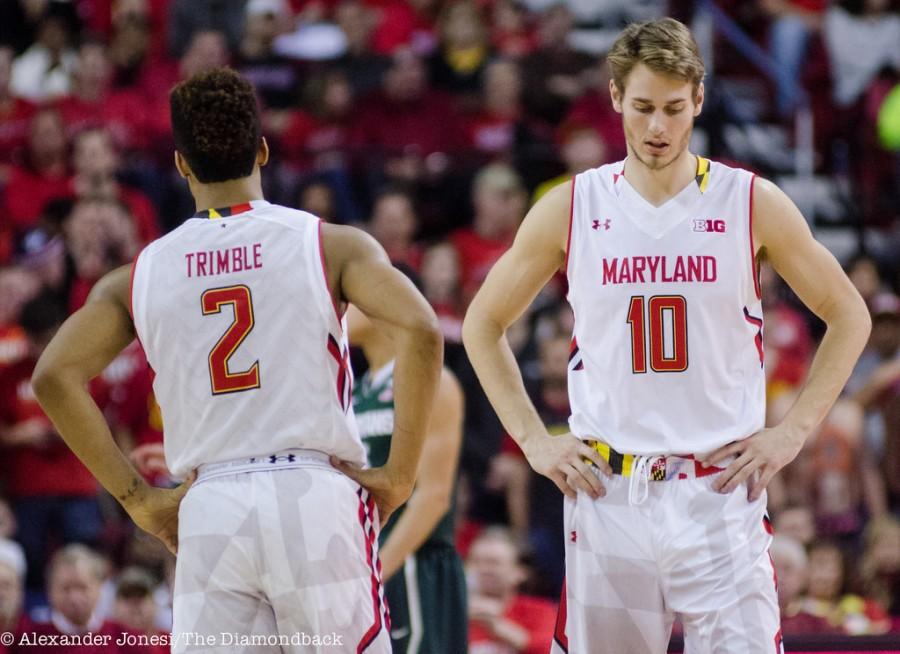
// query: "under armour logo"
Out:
[597,223]
[275,458]
[573,536]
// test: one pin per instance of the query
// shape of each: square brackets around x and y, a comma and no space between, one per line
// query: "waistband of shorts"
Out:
[283,460]
[660,467]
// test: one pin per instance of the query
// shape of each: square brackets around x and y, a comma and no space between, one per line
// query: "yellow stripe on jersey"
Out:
[702,177]
[213,214]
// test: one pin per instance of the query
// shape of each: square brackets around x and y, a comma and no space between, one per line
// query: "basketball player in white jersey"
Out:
[240,313]
[667,461]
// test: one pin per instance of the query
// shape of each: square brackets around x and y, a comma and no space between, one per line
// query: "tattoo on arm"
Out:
[131,492]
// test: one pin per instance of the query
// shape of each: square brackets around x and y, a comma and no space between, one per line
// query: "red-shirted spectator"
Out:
[126,387]
[500,200]
[880,564]
[96,161]
[786,339]
[17,286]
[207,50]
[395,24]
[511,33]
[791,567]
[398,123]
[441,286]
[319,137]
[75,577]
[135,607]
[594,109]
[100,235]
[492,130]
[12,585]
[52,492]
[555,74]
[827,594]
[15,113]
[394,224]
[93,102]
[500,619]
[44,174]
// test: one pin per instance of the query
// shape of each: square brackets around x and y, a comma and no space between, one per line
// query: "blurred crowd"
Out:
[434,125]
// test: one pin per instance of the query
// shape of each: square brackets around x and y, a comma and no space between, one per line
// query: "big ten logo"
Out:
[709,225]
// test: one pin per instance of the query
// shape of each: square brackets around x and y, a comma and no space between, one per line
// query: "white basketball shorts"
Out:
[636,558]
[278,554]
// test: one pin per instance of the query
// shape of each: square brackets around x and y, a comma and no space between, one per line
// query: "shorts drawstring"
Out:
[639,484]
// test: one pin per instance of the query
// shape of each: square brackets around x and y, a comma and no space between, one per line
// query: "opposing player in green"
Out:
[424,580]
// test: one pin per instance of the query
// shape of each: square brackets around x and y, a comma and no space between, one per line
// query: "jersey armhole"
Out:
[131,288]
[569,236]
[334,302]
[754,264]
[134,322]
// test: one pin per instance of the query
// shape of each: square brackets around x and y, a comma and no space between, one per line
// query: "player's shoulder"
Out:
[287,217]
[722,174]
[267,214]
[605,175]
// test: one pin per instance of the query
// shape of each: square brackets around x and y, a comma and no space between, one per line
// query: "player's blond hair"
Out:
[665,46]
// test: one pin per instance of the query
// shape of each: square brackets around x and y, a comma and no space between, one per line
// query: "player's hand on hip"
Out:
[389,492]
[566,461]
[758,458]
[156,511]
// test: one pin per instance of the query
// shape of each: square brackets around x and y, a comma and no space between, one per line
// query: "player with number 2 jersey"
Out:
[240,311]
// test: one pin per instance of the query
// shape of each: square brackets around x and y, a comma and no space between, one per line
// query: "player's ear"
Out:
[262,155]
[698,99]
[616,96]
[181,165]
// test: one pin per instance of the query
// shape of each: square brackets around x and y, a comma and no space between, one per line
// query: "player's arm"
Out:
[433,493]
[85,344]
[515,280]
[360,273]
[784,238]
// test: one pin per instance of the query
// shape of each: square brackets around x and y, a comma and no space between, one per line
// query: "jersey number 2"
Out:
[221,378]
[660,331]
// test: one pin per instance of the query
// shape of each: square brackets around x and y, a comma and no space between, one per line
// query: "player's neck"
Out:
[227,194]
[658,186]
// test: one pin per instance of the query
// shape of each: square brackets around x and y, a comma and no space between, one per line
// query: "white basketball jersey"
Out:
[234,312]
[667,353]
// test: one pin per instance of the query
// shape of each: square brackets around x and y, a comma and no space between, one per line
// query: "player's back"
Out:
[234,312]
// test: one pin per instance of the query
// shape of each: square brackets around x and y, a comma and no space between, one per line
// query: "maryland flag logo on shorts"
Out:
[658,469]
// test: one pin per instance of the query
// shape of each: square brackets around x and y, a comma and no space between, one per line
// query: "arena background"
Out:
[434,125]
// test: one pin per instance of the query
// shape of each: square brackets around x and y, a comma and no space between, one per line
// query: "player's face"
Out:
[657,115]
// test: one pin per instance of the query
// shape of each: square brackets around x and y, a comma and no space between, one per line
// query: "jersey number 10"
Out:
[221,379]
[659,332]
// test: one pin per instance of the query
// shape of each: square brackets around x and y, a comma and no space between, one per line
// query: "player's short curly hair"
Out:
[665,46]
[215,124]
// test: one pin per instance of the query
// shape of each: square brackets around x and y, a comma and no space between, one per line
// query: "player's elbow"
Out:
[425,330]
[438,498]
[477,325]
[852,310]
[46,381]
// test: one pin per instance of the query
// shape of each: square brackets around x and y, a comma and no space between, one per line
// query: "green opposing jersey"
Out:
[373,404]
